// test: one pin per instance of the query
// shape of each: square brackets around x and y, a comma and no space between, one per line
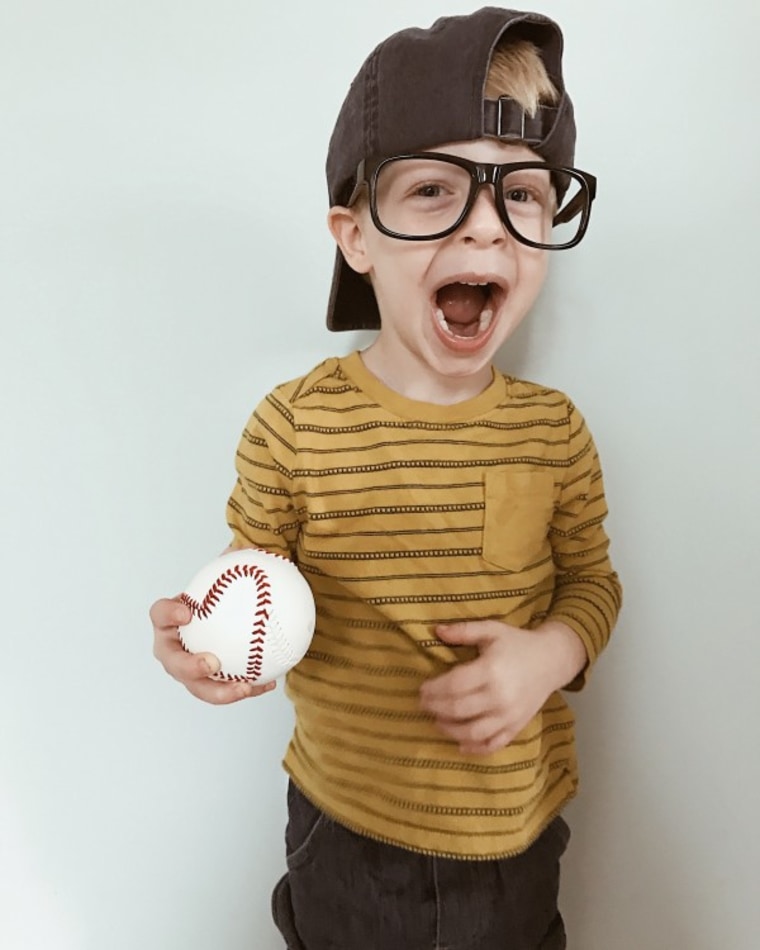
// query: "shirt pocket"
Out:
[519,506]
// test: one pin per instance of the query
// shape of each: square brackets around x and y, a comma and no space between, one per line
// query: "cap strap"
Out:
[506,119]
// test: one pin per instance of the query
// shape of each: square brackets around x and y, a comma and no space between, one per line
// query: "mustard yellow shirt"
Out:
[403,515]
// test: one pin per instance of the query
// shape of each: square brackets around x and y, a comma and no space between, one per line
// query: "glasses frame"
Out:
[483,173]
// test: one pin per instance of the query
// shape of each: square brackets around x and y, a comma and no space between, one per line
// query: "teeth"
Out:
[483,324]
[442,321]
[475,283]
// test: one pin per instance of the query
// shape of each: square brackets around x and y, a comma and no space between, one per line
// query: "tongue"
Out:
[460,303]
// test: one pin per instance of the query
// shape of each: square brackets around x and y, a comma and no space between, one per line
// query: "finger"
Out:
[183,666]
[222,694]
[474,733]
[498,741]
[464,679]
[457,708]
[169,613]
[469,632]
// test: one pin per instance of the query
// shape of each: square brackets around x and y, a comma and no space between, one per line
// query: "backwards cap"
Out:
[423,88]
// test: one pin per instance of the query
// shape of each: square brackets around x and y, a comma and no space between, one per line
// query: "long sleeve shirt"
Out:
[403,515]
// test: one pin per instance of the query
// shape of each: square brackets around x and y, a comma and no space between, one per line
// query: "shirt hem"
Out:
[434,852]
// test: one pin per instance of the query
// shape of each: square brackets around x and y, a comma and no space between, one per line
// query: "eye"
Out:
[428,190]
[527,190]
[521,195]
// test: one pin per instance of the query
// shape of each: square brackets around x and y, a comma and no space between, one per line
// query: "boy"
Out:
[448,517]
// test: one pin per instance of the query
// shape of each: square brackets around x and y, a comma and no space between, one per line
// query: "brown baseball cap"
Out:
[422,88]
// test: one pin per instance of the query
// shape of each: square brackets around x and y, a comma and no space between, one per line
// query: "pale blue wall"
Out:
[149,217]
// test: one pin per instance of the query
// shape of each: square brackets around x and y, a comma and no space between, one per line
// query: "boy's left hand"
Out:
[482,705]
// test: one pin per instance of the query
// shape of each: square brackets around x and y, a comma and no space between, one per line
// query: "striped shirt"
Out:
[403,515]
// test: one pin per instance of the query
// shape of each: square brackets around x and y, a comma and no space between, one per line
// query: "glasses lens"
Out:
[537,213]
[418,197]
[423,197]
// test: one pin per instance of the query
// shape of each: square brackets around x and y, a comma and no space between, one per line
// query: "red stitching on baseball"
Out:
[204,608]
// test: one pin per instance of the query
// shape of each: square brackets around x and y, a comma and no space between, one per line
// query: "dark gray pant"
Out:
[347,892]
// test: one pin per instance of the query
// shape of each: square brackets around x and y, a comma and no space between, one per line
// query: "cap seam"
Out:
[371,103]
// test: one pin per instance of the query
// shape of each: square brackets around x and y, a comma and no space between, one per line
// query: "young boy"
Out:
[447,516]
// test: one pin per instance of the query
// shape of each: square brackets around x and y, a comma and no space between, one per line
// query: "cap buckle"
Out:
[505,110]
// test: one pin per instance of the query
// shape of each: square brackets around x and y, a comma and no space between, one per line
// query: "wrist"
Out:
[565,651]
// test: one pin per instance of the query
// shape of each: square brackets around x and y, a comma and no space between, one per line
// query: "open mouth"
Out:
[464,310]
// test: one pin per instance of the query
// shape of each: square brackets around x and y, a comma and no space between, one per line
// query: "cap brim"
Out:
[352,304]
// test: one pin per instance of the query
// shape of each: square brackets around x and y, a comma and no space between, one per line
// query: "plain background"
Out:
[165,262]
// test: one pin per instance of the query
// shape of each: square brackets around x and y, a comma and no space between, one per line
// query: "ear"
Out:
[347,227]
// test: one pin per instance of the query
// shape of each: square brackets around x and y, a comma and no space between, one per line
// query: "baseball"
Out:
[254,611]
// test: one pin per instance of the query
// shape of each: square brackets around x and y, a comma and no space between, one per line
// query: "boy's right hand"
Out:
[193,670]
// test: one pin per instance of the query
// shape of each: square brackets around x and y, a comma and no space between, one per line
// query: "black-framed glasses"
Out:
[427,195]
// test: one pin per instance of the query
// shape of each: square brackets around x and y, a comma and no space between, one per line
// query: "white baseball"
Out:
[254,611]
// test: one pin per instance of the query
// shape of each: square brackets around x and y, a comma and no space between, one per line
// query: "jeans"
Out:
[343,891]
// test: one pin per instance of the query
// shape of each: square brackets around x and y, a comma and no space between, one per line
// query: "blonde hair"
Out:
[517,70]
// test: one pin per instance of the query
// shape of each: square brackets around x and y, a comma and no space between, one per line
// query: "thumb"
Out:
[468,633]
[182,613]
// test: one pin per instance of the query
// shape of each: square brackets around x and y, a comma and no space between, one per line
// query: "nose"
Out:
[483,224]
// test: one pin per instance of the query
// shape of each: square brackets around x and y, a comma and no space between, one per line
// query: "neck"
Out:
[418,381]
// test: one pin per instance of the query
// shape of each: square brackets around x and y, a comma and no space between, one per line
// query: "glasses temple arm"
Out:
[582,200]
[570,210]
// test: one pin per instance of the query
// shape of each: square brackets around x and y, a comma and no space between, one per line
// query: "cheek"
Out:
[397,266]
[532,269]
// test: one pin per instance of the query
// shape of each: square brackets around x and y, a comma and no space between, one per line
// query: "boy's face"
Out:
[434,321]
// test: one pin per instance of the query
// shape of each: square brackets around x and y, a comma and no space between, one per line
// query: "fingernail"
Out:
[210,665]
